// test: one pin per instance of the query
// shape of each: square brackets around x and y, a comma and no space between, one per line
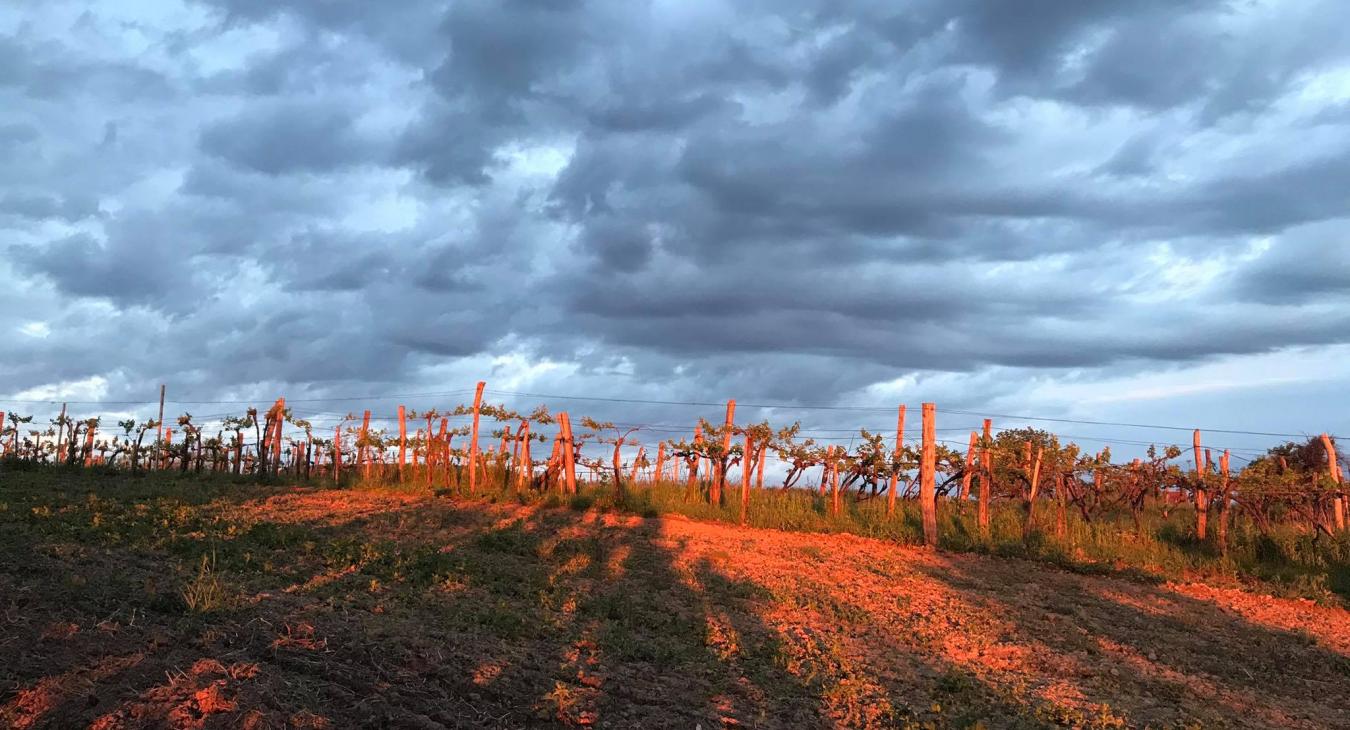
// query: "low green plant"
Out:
[205,592]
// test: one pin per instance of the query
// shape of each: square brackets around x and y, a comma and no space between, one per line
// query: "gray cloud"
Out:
[310,138]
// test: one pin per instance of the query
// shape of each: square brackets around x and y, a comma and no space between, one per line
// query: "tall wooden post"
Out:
[524,466]
[834,487]
[928,476]
[1201,496]
[568,455]
[759,468]
[473,439]
[747,469]
[277,425]
[1033,489]
[693,461]
[361,454]
[402,440]
[825,469]
[89,444]
[1334,466]
[891,494]
[336,454]
[1223,503]
[443,451]
[660,462]
[969,470]
[986,484]
[720,468]
[60,433]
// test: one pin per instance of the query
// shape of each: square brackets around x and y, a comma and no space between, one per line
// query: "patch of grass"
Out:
[205,592]
[581,502]
[177,512]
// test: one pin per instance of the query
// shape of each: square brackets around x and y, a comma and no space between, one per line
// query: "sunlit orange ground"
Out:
[537,618]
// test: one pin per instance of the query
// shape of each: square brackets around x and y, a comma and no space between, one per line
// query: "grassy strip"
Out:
[170,511]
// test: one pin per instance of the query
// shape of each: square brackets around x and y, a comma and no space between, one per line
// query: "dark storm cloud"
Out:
[780,197]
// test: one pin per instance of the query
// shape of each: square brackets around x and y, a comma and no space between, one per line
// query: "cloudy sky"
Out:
[1125,211]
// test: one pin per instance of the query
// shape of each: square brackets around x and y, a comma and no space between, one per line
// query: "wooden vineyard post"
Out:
[1223,504]
[747,474]
[361,446]
[759,468]
[825,469]
[443,448]
[928,476]
[968,472]
[693,460]
[525,470]
[660,462]
[720,469]
[60,432]
[747,469]
[568,455]
[1201,497]
[473,439]
[1334,467]
[1033,490]
[986,484]
[899,452]
[834,488]
[402,440]
[616,463]
[337,454]
[89,444]
[278,422]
